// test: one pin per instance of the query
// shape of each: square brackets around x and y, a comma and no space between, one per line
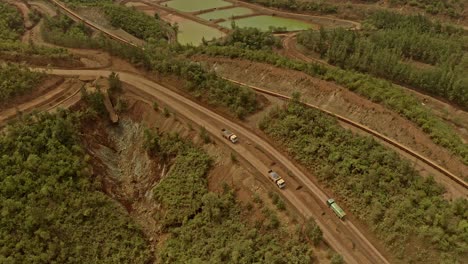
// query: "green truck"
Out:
[336,208]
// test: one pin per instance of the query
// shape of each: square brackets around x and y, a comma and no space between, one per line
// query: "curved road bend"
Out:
[342,236]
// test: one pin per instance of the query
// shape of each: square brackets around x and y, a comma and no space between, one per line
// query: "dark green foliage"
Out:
[375,183]
[35,16]
[11,23]
[251,38]
[383,53]
[63,31]
[377,90]
[313,231]
[298,5]
[95,100]
[17,80]
[51,211]
[115,84]
[205,136]
[182,190]
[136,23]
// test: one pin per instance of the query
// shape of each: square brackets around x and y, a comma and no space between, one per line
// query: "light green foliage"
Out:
[51,213]
[376,184]
[17,80]
[11,23]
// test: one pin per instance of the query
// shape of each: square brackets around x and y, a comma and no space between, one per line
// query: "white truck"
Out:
[277,179]
[229,135]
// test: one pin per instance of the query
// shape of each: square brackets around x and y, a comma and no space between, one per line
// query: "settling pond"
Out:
[264,23]
[195,5]
[191,32]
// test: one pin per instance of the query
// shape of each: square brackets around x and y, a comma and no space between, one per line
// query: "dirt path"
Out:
[64,95]
[336,232]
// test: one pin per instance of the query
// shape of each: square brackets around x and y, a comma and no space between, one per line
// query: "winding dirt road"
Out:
[343,236]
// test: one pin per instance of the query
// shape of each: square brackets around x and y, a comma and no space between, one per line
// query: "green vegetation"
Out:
[17,80]
[377,90]
[52,212]
[298,5]
[206,227]
[250,38]
[313,231]
[11,23]
[376,184]
[63,31]
[115,84]
[394,40]
[95,100]
[137,23]
[452,8]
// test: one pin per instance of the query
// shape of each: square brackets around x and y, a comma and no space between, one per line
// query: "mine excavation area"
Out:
[225,131]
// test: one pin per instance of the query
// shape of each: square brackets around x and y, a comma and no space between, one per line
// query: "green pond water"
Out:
[191,32]
[226,13]
[195,5]
[265,22]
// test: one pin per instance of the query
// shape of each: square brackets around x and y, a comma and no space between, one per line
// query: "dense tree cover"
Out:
[52,212]
[377,90]
[398,38]
[16,80]
[63,31]
[11,23]
[137,23]
[250,38]
[452,8]
[376,184]
[298,5]
[205,227]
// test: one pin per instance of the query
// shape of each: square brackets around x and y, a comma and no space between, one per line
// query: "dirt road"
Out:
[344,237]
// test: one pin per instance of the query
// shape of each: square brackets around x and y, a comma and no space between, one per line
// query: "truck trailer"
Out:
[276,179]
[229,135]
[336,208]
